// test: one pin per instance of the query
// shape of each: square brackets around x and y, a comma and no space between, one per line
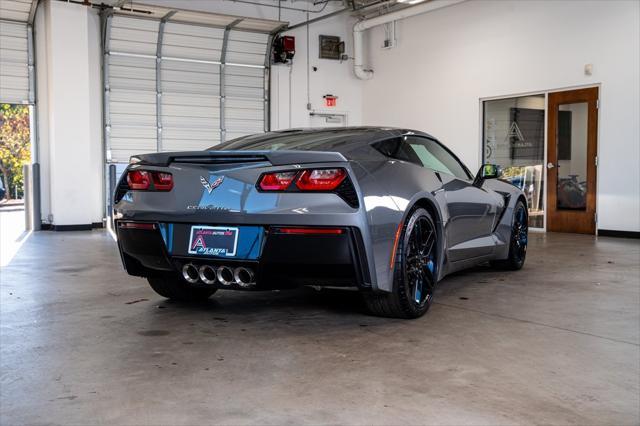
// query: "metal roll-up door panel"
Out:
[246,48]
[245,83]
[244,106]
[174,102]
[192,42]
[190,78]
[14,63]
[133,35]
[132,87]
[15,10]
[190,85]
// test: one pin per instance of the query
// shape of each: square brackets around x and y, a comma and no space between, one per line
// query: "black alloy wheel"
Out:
[415,271]
[519,240]
[419,262]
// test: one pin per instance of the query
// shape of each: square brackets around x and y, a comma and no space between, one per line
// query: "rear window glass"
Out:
[290,140]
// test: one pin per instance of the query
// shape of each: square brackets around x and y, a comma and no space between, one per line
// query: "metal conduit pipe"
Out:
[279,6]
[361,26]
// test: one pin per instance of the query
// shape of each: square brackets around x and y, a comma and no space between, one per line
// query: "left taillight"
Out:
[140,180]
[162,181]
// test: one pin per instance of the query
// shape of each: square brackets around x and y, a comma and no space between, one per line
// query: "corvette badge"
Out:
[210,186]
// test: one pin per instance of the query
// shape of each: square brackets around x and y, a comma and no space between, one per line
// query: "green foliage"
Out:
[14,145]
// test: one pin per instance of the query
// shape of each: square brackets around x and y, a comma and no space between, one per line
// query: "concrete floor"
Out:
[556,343]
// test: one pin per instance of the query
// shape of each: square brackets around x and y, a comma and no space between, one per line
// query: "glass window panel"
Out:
[514,139]
[434,156]
[423,152]
[572,156]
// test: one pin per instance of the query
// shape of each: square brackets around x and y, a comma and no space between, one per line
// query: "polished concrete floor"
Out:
[555,343]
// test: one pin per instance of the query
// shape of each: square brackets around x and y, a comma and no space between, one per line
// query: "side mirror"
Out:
[487,171]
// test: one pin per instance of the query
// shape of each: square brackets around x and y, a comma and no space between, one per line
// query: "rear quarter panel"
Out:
[390,188]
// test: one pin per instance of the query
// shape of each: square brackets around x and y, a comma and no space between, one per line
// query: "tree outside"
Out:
[14,147]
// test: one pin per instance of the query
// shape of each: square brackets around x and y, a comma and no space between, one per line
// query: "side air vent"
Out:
[121,189]
[507,198]
[348,193]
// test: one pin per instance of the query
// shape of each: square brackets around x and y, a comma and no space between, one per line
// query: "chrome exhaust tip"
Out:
[190,273]
[244,276]
[225,275]
[207,274]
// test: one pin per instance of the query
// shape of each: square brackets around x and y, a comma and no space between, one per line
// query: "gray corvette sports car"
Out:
[387,211]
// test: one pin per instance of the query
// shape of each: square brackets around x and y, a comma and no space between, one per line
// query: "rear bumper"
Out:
[285,260]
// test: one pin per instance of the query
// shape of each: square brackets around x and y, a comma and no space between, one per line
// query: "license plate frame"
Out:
[213,241]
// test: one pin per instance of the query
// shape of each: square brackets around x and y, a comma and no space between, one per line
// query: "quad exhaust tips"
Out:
[207,274]
[225,275]
[190,273]
[244,276]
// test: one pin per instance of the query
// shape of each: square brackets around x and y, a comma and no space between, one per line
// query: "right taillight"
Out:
[320,179]
[335,180]
[303,180]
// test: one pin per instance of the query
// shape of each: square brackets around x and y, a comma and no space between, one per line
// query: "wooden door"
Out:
[571,161]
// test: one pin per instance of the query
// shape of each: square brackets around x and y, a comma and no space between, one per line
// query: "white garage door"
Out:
[173,86]
[14,62]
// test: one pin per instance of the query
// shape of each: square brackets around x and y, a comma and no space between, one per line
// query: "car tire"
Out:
[175,288]
[404,301]
[519,240]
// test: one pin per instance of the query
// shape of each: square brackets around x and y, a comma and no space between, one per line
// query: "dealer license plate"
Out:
[213,241]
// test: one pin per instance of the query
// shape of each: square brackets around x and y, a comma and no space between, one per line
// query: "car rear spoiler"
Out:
[276,158]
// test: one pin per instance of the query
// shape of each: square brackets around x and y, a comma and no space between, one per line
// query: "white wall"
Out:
[289,82]
[448,59]
[40,31]
[69,108]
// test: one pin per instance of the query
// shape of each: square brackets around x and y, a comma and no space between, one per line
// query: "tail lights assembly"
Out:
[278,181]
[305,180]
[320,179]
[139,180]
[162,181]
[142,180]
[335,180]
